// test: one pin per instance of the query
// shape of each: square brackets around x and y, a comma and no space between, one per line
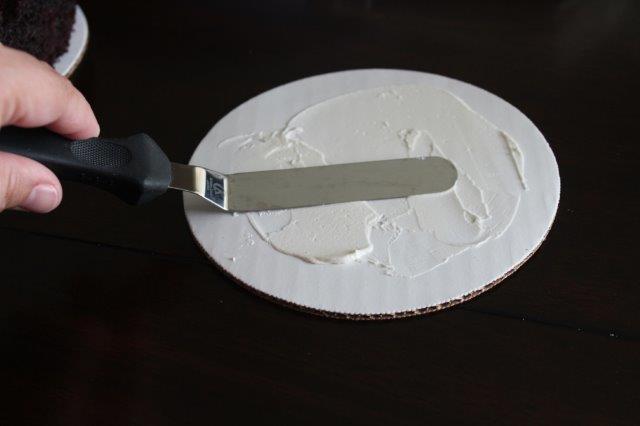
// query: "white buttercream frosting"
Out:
[403,237]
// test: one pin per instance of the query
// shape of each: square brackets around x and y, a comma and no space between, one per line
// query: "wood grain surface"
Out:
[111,315]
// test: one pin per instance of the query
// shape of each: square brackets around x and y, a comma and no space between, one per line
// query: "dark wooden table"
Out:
[111,315]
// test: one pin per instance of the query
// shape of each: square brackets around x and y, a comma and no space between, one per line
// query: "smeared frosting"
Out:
[402,237]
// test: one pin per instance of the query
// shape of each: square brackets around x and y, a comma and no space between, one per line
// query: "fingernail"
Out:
[42,199]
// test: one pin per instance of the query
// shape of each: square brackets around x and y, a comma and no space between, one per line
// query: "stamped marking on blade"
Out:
[214,189]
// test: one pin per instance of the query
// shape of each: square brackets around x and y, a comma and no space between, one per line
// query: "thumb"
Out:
[27,184]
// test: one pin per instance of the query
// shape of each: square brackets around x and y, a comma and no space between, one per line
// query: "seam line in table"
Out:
[109,245]
[602,332]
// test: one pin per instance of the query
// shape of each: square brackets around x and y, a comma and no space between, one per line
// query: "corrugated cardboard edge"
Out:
[377,317]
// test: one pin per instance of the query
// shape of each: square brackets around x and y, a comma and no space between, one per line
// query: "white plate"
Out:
[78,41]
[357,289]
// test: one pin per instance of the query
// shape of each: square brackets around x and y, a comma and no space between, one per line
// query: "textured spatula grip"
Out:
[133,168]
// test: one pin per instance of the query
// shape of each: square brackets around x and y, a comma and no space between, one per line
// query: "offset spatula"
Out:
[137,170]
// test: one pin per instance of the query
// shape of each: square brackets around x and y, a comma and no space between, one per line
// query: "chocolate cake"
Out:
[39,27]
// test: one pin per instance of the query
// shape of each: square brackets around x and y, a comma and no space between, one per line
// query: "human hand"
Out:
[32,94]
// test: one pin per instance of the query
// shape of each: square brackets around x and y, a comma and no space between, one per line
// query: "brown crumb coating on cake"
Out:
[39,27]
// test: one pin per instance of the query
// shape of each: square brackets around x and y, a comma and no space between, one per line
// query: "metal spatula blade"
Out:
[312,186]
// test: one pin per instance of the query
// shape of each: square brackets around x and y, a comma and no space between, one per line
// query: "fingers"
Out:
[32,94]
[76,120]
[27,184]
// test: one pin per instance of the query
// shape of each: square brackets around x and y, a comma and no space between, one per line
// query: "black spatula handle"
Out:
[134,168]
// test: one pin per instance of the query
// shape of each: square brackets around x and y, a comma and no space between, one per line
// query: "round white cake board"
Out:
[360,290]
[69,61]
